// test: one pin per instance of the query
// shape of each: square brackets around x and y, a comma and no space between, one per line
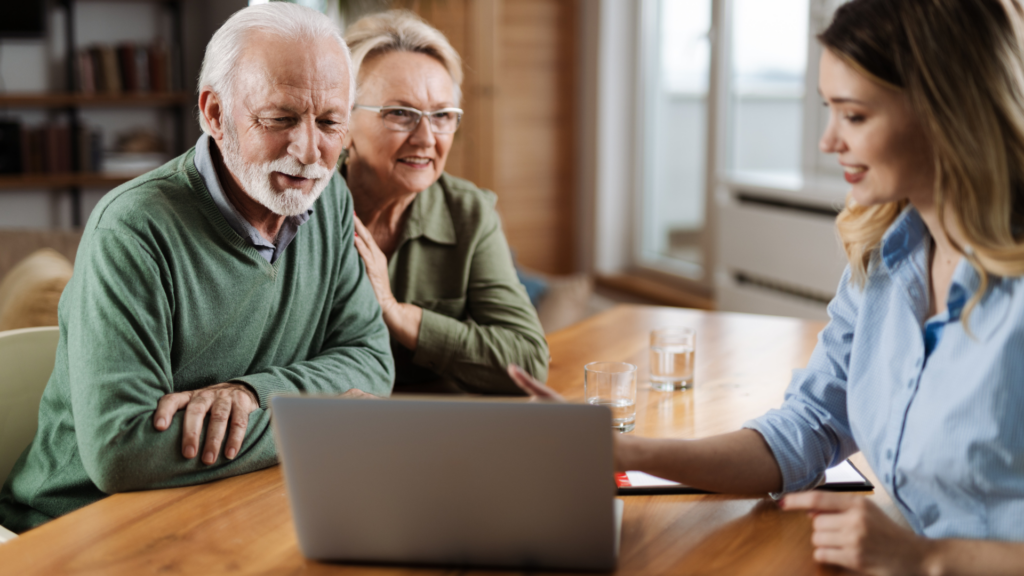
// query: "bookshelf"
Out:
[69,103]
[63,180]
[66,99]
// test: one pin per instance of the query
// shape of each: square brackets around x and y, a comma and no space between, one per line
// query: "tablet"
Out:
[842,478]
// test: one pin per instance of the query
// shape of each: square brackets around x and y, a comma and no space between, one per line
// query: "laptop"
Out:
[454,482]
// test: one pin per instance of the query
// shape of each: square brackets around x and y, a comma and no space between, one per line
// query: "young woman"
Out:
[922,364]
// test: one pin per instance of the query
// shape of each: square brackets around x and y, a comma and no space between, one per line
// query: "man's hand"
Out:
[357,393]
[226,403]
[853,532]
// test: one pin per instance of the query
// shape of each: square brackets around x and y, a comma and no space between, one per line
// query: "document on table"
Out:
[842,478]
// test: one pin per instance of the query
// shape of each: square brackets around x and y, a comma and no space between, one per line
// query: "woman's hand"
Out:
[622,446]
[403,320]
[533,387]
[853,532]
[376,266]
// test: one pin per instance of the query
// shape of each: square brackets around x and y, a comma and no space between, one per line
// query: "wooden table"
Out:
[243,525]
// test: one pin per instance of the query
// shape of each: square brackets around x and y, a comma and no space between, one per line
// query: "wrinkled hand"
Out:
[376,265]
[531,385]
[357,393]
[853,532]
[228,402]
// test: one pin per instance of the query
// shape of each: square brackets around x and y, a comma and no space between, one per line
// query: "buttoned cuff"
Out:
[438,341]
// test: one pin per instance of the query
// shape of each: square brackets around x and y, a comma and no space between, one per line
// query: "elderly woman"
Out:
[432,243]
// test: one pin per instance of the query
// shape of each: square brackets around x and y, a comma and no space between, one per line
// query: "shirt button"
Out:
[887,478]
[888,454]
[918,363]
[910,384]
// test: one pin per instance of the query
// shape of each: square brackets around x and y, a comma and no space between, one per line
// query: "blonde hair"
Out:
[961,65]
[402,31]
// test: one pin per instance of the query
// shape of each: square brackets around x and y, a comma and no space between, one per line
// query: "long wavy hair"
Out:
[961,65]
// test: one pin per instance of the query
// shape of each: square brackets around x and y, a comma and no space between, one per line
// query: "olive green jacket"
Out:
[452,260]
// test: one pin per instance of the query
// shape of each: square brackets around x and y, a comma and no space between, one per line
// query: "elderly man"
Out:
[209,284]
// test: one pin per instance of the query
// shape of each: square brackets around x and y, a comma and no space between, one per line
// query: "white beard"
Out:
[255,178]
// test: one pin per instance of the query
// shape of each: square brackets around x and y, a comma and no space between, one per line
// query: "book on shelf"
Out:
[125,68]
[47,149]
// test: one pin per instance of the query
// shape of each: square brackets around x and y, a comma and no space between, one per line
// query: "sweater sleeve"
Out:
[119,332]
[502,327]
[356,352]
[811,431]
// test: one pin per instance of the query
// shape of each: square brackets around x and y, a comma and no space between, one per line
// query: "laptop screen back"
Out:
[454,482]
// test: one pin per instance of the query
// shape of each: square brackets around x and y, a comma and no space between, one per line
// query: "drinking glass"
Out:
[672,354]
[612,384]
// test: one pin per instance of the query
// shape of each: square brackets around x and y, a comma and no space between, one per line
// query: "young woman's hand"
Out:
[853,532]
[533,387]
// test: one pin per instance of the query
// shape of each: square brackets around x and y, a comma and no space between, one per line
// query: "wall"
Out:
[518,134]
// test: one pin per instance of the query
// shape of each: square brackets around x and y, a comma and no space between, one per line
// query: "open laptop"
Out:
[463,482]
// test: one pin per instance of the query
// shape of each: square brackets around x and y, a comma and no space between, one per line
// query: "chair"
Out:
[26,362]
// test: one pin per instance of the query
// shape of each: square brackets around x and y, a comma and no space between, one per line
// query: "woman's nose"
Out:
[829,142]
[423,133]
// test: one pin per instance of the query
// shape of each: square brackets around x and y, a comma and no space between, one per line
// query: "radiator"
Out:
[776,255]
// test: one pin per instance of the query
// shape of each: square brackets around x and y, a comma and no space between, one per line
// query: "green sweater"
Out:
[167,297]
[453,261]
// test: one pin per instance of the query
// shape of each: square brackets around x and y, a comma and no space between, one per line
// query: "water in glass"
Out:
[623,412]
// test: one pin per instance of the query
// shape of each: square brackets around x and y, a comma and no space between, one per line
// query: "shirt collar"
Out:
[204,164]
[430,216]
[905,235]
[908,240]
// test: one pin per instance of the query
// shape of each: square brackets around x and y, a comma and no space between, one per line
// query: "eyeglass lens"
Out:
[404,120]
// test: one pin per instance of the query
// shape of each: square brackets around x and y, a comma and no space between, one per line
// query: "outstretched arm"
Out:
[735,463]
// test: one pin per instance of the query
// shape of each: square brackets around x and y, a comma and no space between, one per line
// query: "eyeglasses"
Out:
[405,119]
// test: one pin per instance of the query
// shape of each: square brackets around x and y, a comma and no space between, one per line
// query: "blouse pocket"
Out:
[450,307]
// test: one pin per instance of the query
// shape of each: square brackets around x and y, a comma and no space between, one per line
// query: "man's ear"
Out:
[212,109]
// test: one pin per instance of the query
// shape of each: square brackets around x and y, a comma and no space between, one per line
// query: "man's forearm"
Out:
[136,456]
[735,463]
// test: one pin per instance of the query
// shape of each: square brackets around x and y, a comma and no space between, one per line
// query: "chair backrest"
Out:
[26,362]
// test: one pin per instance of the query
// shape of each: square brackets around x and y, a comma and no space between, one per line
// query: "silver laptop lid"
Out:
[454,482]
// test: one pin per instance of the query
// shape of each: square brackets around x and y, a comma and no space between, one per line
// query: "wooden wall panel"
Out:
[470,27]
[517,135]
[534,171]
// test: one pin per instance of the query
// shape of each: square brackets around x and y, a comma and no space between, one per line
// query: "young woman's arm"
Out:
[734,463]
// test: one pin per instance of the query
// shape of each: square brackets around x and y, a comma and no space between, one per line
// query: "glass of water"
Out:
[672,353]
[612,384]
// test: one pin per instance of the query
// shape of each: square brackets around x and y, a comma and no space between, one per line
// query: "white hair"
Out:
[284,19]
[402,31]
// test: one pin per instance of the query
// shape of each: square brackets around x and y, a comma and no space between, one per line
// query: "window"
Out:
[760,59]
[677,60]
[769,57]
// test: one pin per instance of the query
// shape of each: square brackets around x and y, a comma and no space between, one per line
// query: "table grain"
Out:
[243,525]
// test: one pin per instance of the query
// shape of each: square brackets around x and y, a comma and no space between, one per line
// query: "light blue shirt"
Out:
[270,251]
[944,431]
